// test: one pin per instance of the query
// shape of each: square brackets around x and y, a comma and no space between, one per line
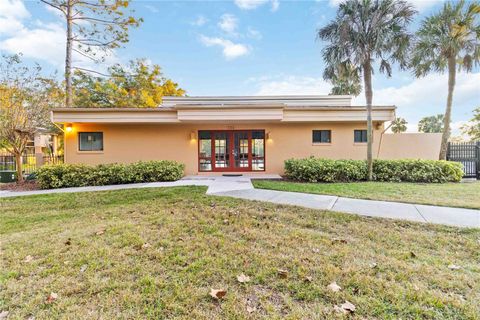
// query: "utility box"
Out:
[8,176]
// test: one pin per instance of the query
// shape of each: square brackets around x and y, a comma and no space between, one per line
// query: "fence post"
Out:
[478,160]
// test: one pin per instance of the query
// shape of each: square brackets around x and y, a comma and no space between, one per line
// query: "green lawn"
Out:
[156,253]
[465,195]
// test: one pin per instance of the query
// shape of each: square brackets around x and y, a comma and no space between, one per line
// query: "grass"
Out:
[464,195]
[198,242]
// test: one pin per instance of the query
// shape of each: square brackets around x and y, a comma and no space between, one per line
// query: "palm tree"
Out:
[446,41]
[399,125]
[345,79]
[364,32]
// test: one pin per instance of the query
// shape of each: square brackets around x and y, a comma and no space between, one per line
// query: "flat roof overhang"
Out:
[217,113]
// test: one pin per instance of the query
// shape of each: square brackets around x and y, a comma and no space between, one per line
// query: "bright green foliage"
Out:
[399,125]
[326,170]
[472,129]
[78,175]
[432,124]
[140,85]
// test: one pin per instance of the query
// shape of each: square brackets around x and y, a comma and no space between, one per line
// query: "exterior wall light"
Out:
[193,135]
[268,136]
[69,127]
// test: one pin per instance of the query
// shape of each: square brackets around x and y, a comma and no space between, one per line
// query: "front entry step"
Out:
[232,175]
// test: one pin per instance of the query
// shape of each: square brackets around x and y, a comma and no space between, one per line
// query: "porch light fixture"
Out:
[193,135]
[268,136]
[69,127]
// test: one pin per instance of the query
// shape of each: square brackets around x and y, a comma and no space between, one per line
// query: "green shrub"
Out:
[79,175]
[326,170]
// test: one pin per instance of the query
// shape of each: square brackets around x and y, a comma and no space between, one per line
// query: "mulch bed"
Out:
[23,186]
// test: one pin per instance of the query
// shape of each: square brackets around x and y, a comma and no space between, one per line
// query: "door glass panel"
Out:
[240,149]
[258,150]
[205,150]
[222,145]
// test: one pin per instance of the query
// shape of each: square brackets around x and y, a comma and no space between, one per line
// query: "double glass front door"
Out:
[242,150]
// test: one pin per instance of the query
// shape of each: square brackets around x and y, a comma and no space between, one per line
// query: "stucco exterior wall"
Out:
[410,146]
[126,143]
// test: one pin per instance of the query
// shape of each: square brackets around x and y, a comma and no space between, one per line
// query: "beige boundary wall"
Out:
[124,143]
[410,146]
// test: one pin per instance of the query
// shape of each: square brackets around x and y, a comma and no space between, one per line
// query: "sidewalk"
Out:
[241,187]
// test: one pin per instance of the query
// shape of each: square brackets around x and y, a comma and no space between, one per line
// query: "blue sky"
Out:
[241,47]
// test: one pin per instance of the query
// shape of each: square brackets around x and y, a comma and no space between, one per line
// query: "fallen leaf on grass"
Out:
[338,240]
[251,309]
[28,258]
[146,245]
[282,273]
[100,232]
[334,287]
[52,297]
[308,279]
[83,268]
[454,267]
[243,278]
[373,265]
[345,308]
[217,294]
[315,250]
[68,242]
[412,254]
[3,315]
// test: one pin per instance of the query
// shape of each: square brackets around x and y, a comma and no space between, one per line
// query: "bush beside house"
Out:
[326,170]
[79,175]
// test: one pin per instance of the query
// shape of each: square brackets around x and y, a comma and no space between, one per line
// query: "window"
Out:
[360,136]
[321,136]
[90,141]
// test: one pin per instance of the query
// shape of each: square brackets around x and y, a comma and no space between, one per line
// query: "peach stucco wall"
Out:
[133,142]
[410,146]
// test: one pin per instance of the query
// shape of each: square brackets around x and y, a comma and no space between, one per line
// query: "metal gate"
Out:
[467,153]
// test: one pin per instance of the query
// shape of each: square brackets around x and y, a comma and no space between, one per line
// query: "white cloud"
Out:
[11,14]
[39,40]
[200,21]
[254,34]
[151,8]
[230,49]
[421,5]
[253,4]
[13,9]
[228,23]
[428,92]
[290,85]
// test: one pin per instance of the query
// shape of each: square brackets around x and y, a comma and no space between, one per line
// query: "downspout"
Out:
[383,132]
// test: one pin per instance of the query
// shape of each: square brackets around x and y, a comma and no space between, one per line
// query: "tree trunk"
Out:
[68,58]
[367,79]
[452,70]
[18,162]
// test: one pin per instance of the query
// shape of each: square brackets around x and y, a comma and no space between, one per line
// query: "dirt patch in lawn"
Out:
[23,186]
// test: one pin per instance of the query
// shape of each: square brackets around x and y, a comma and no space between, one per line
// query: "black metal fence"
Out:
[467,153]
[29,162]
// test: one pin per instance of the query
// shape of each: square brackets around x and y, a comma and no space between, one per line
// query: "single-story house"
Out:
[215,135]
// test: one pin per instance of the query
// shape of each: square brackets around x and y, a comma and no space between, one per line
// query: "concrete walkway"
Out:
[241,187]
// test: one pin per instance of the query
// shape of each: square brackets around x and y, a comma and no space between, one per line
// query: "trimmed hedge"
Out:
[79,175]
[326,170]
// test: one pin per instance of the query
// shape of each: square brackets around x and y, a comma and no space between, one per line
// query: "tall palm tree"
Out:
[446,41]
[399,125]
[364,32]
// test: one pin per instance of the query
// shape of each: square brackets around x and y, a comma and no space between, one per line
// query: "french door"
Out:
[231,150]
